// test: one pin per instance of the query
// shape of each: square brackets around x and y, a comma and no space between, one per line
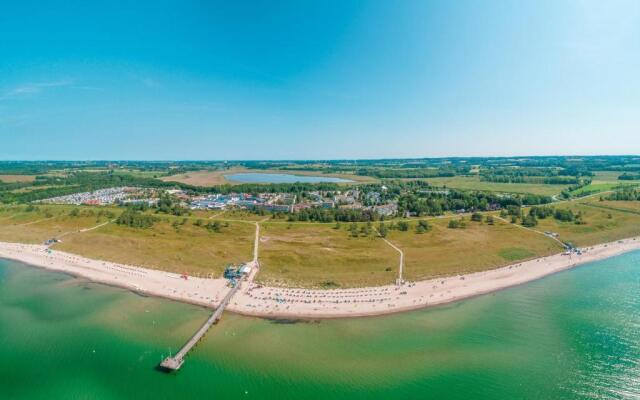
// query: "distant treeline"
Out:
[381,168]
[317,214]
[438,203]
[547,180]
[407,173]
[566,165]
[629,177]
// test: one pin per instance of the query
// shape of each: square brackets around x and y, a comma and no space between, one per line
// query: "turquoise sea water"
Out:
[251,177]
[573,335]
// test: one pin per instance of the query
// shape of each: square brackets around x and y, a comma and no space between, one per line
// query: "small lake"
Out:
[257,177]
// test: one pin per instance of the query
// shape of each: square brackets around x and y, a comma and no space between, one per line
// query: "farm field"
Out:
[140,173]
[609,177]
[595,187]
[321,256]
[604,181]
[443,251]
[17,178]
[474,183]
[202,178]
[40,187]
[606,176]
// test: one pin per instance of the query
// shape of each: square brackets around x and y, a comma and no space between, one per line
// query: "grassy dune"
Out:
[443,251]
[18,225]
[321,256]
[624,206]
[602,224]
[312,254]
[187,248]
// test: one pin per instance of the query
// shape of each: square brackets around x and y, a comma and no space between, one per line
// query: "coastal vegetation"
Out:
[449,217]
[168,245]
[37,224]
[135,219]
[321,256]
[477,246]
[596,224]
[317,254]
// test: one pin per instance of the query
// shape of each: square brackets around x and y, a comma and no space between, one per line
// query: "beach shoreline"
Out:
[168,285]
[299,303]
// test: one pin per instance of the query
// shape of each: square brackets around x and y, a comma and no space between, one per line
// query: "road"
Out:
[256,243]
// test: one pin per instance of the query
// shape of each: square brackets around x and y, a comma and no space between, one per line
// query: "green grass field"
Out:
[188,248]
[625,206]
[602,224]
[313,254]
[606,176]
[18,225]
[595,187]
[321,256]
[474,183]
[604,181]
[443,251]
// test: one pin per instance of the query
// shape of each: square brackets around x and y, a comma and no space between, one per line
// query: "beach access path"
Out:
[400,280]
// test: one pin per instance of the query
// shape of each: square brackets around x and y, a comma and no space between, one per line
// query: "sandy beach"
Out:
[200,291]
[272,302]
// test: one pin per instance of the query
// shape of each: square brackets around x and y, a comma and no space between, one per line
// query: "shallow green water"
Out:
[572,335]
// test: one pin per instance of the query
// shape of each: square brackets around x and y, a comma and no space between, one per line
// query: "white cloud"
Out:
[29,89]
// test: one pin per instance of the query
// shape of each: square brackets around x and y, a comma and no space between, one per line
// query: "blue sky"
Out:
[318,79]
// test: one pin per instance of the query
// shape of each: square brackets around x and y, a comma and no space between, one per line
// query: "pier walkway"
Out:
[174,363]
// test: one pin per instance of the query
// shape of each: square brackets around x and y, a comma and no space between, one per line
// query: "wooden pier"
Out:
[174,363]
